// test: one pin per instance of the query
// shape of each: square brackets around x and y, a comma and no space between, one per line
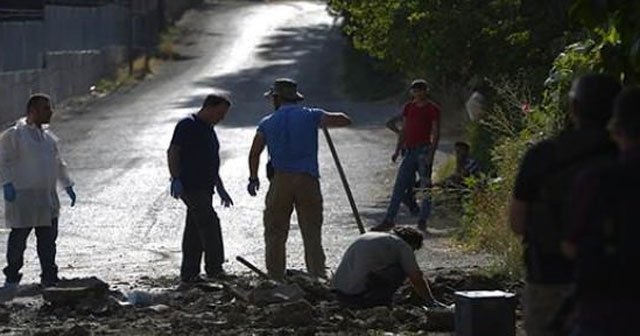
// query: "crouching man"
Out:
[376,264]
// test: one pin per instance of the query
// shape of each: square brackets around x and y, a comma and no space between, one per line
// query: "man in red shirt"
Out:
[418,140]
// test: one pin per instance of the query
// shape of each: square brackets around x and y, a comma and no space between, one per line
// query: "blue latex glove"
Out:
[72,194]
[9,192]
[225,199]
[176,188]
[254,185]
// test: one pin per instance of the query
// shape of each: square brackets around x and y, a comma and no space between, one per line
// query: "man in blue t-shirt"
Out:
[291,137]
[194,163]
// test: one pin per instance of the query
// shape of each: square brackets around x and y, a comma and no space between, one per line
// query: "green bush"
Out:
[512,130]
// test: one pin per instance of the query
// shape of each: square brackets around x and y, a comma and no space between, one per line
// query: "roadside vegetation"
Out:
[521,55]
[143,65]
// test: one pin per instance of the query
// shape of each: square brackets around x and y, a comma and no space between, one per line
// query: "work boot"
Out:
[386,225]
[218,275]
[414,209]
[422,225]
[8,291]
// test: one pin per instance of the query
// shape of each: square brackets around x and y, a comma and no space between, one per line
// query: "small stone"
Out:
[296,313]
[77,330]
[159,308]
[266,294]
[5,316]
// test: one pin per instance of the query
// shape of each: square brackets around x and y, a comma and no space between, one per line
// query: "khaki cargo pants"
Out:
[286,192]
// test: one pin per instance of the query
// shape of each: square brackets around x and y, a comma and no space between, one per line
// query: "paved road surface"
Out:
[126,225]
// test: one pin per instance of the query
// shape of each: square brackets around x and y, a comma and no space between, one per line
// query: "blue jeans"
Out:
[414,161]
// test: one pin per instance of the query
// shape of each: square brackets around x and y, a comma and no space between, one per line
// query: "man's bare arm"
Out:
[400,143]
[173,158]
[335,119]
[420,286]
[392,124]
[435,134]
[254,155]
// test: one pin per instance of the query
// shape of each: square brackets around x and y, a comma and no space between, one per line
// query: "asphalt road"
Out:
[125,225]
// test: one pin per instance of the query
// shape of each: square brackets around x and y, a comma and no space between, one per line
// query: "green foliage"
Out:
[445,169]
[615,24]
[166,46]
[516,41]
[456,40]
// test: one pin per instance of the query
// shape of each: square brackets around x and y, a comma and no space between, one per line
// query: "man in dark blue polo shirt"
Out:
[194,162]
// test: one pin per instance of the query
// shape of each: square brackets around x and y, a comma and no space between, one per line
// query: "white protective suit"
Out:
[29,158]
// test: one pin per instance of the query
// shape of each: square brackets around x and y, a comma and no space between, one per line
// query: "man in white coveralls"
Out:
[30,167]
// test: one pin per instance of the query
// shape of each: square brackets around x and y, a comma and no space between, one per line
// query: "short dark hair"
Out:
[626,112]
[462,145]
[410,235]
[36,100]
[593,95]
[216,99]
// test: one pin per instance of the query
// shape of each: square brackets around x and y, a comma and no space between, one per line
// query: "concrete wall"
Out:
[74,47]
[68,73]
[85,28]
[22,45]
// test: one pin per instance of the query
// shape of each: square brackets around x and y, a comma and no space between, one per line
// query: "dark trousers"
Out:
[379,291]
[46,245]
[202,235]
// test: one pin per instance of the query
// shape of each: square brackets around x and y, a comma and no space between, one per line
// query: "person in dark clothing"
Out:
[604,232]
[539,208]
[466,166]
[194,162]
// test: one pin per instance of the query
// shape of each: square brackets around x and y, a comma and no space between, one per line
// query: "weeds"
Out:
[124,77]
[166,47]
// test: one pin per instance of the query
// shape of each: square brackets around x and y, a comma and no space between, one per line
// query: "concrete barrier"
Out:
[66,74]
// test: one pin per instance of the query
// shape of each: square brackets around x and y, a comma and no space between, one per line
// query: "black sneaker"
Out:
[219,275]
[192,280]
[386,225]
[422,225]
[414,210]
[49,283]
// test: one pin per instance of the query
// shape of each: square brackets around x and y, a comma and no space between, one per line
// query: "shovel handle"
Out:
[345,183]
[252,267]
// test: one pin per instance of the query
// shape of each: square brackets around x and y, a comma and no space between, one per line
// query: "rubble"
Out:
[296,313]
[268,292]
[243,305]
[76,291]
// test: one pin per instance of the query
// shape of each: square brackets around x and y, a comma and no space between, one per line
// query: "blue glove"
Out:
[9,192]
[254,185]
[72,194]
[176,188]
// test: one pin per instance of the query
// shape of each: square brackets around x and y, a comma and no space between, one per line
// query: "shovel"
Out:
[345,183]
[280,293]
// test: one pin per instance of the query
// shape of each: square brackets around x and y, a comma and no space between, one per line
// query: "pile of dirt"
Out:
[236,305]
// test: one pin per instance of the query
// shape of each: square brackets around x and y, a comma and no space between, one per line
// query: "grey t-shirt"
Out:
[371,252]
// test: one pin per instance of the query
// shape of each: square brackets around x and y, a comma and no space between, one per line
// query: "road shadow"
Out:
[313,56]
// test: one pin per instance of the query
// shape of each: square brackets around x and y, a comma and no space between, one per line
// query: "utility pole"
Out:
[131,31]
